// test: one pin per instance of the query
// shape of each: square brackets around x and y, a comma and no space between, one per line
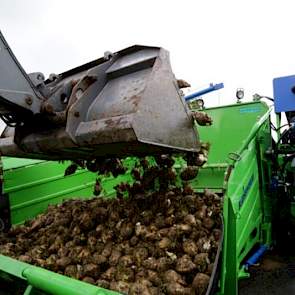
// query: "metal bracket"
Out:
[234,156]
[199,93]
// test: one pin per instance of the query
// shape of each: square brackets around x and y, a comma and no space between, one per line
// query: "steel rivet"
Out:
[28,100]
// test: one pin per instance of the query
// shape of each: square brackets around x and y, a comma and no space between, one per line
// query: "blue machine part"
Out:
[256,256]
[209,89]
[284,94]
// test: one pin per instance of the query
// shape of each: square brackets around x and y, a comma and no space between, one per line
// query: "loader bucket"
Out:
[130,104]
[139,107]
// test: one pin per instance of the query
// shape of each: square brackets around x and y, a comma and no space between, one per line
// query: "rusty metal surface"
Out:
[142,87]
[127,103]
[104,131]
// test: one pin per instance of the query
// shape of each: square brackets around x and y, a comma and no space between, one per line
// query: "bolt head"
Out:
[29,100]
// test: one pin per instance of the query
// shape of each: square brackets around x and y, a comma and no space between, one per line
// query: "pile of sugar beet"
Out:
[161,239]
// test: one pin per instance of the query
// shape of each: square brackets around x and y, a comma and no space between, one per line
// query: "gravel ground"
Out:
[274,276]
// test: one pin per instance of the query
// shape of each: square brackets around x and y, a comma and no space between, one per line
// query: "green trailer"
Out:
[238,168]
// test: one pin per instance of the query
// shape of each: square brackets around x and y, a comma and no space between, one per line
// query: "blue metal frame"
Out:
[209,89]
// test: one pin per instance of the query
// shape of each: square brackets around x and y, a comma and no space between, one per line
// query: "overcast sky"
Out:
[241,43]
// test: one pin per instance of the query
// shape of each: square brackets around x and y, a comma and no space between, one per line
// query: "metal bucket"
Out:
[130,104]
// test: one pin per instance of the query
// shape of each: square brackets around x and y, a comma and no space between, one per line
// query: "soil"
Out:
[275,275]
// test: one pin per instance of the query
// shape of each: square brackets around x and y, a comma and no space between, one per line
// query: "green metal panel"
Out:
[48,281]
[12,163]
[231,125]
[32,186]
[244,218]
[239,138]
